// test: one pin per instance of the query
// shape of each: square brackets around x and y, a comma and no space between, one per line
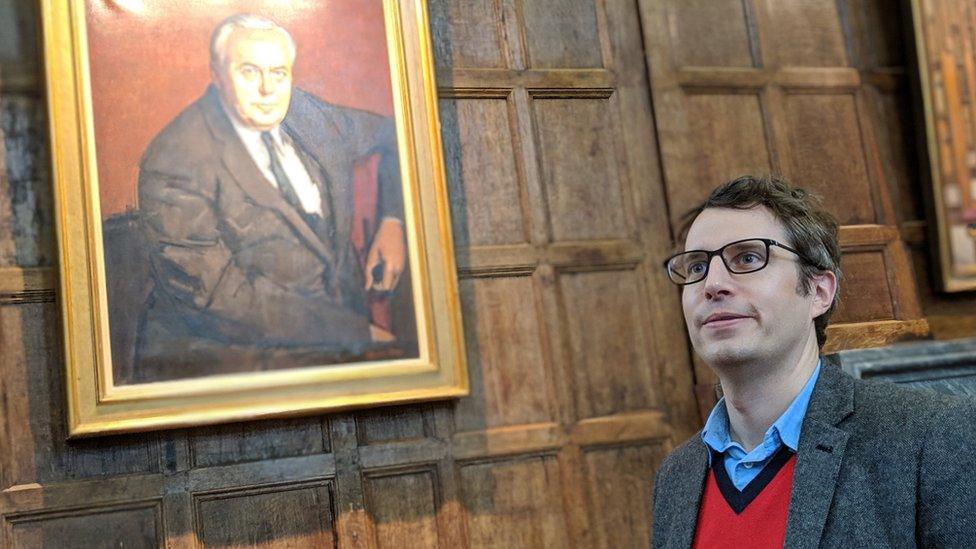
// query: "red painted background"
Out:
[150,59]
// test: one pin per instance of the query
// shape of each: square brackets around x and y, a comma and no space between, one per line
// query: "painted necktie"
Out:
[284,184]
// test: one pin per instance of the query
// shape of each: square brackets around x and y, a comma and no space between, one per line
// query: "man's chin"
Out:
[727,353]
[263,122]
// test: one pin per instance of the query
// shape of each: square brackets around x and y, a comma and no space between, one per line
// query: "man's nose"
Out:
[267,84]
[718,281]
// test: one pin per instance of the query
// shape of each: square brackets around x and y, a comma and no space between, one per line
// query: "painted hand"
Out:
[379,334]
[389,250]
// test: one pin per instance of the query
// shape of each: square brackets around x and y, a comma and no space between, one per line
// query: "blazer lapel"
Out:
[686,498]
[819,456]
[324,144]
[241,166]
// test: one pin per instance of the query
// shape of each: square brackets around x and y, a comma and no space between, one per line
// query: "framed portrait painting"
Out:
[251,209]
[945,44]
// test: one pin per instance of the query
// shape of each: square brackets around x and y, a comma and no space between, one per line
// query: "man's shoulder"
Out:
[324,128]
[907,411]
[304,102]
[186,137]
[685,458]
[313,115]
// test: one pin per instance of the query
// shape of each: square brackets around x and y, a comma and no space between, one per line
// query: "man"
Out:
[247,201]
[797,453]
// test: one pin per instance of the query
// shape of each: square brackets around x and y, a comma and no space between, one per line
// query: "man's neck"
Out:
[756,395]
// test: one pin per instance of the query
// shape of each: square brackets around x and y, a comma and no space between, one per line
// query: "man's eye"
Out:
[748,258]
[248,72]
[280,74]
[696,268]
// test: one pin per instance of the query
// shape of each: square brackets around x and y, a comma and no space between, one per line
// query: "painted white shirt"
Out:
[308,193]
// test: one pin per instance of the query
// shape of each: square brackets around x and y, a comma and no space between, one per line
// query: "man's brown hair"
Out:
[811,230]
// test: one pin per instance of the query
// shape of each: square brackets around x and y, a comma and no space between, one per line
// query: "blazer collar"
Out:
[238,162]
[820,455]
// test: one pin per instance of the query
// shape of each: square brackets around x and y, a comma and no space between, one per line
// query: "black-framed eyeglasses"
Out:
[740,257]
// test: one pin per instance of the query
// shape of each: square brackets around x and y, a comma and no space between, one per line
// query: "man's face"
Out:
[759,316]
[254,79]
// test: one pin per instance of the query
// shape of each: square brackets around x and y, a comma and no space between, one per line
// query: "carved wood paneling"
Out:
[469,33]
[514,503]
[242,442]
[137,524]
[266,516]
[609,353]
[401,423]
[403,508]
[617,480]
[484,178]
[503,390]
[561,34]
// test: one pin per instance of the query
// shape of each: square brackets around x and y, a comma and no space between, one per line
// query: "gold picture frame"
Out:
[99,404]
[945,45]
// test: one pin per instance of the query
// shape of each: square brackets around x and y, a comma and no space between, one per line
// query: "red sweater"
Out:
[762,507]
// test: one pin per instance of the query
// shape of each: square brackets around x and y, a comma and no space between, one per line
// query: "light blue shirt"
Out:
[742,466]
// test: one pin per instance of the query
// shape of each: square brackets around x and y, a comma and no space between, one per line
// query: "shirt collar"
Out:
[250,135]
[716,433]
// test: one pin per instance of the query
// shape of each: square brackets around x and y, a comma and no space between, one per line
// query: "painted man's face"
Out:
[254,79]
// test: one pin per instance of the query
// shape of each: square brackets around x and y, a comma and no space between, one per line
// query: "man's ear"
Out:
[823,287]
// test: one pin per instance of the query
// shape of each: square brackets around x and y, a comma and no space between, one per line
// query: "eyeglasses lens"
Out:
[739,257]
[746,256]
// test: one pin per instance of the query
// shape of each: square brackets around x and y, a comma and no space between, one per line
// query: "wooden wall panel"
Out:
[709,33]
[508,336]
[243,442]
[617,480]
[898,156]
[561,34]
[469,33]
[137,526]
[403,507]
[484,179]
[514,503]
[34,424]
[27,222]
[865,293]
[605,328]
[270,516]
[826,154]
[400,423]
[806,33]
[730,138]
[577,149]
[875,34]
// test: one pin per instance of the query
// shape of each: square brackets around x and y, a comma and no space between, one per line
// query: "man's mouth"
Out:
[722,319]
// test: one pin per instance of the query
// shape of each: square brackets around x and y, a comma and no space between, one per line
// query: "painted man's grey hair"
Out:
[250,21]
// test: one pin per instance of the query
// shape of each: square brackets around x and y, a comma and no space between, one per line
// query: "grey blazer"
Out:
[878,465]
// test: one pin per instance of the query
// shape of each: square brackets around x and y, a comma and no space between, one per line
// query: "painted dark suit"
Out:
[240,274]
